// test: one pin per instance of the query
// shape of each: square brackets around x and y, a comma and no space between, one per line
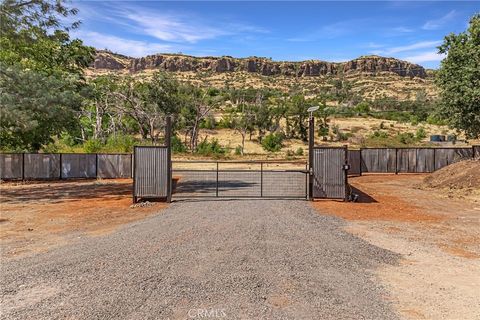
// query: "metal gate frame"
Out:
[343,178]
[217,170]
[162,181]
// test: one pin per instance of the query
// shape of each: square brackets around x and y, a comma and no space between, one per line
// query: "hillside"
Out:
[372,77]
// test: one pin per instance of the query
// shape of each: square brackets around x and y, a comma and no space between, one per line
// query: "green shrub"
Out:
[207,148]
[362,107]
[406,138]
[299,152]
[225,122]
[119,143]
[177,145]
[379,134]
[208,123]
[238,150]
[420,134]
[290,153]
[272,142]
[92,146]
[343,136]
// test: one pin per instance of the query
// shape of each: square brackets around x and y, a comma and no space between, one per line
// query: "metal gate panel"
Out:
[329,176]
[150,171]
[240,179]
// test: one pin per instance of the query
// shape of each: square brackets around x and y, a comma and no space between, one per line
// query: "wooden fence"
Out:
[406,160]
[38,166]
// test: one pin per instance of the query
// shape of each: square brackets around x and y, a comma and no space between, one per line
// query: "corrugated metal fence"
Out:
[406,160]
[37,166]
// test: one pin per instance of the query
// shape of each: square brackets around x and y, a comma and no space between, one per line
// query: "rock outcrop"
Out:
[181,63]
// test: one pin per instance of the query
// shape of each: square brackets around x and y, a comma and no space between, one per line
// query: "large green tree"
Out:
[459,79]
[41,69]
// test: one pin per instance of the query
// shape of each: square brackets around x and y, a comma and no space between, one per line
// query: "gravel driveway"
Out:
[268,259]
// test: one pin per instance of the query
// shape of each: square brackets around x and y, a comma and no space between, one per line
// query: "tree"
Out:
[196,106]
[148,102]
[40,72]
[34,107]
[459,79]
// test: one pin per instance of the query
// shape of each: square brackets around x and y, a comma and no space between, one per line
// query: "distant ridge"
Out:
[371,65]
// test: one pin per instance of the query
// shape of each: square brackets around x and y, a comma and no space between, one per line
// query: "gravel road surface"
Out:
[231,259]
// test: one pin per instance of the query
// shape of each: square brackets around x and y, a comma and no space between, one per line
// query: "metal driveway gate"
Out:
[240,179]
[151,172]
[329,173]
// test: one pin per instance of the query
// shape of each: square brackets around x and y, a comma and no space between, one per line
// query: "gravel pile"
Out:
[235,259]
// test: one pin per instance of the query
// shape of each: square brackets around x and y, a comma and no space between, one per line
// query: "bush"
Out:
[238,150]
[362,107]
[272,142]
[406,138]
[119,143]
[206,148]
[208,123]
[290,153]
[92,146]
[177,145]
[343,136]
[299,152]
[420,134]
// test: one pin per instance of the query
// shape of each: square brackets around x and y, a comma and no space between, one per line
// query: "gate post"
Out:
[168,138]
[345,171]
[311,143]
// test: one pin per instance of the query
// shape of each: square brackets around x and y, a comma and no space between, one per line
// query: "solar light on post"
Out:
[311,142]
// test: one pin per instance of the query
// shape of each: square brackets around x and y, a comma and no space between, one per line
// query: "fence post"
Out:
[134,195]
[168,136]
[311,143]
[96,165]
[23,166]
[261,179]
[345,172]
[61,167]
[216,183]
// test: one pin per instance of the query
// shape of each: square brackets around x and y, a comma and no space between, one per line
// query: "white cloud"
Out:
[173,28]
[440,22]
[410,47]
[403,29]
[427,56]
[128,47]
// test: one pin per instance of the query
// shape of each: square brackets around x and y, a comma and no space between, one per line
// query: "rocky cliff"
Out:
[372,65]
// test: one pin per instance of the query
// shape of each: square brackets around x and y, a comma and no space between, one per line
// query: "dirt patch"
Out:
[437,232]
[458,180]
[378,202]
[459,175]
[36,216]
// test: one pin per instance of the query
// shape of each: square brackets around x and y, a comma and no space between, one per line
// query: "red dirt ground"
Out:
[35,216]
[398,203]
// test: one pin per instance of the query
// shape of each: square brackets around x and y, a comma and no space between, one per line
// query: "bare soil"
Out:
[463,176]
[437,233]
[36,216]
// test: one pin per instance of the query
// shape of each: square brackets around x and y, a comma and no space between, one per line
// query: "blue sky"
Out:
[331,31]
